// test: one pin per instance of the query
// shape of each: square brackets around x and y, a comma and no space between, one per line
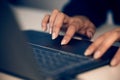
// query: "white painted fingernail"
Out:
[87,52]
[97,54]
[53,36]
[63,42]
[50,31]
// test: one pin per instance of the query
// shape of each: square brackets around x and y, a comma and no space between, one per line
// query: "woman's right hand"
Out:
[72,25]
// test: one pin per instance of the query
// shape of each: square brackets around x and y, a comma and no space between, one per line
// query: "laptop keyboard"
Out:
[51,60]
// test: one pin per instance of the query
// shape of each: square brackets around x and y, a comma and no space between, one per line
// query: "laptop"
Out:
[33,55]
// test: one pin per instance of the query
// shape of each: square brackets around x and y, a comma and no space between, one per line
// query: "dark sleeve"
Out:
[89,8]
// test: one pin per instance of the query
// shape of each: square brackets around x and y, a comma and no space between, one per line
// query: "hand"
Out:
[76,24]
[102,43]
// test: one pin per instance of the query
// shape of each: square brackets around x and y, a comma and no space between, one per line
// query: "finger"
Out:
[57,25]
[116,59]
[53,18]
[82,30]
[69,34]
[107,43]
[87,29]
[90,32]
[45,22]
[91,49]
[67,18]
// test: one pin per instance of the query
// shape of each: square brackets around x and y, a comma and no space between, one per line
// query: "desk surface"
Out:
[30,19]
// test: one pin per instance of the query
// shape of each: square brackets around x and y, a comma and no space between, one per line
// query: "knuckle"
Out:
[45,18]
[44,22]
[105,45]
[47,15]
[93,46]
[67,36]
[55,10]
[62,14]
[75,26]
[58,25]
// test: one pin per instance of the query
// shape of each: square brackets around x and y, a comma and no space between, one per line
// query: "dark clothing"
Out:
[95,10]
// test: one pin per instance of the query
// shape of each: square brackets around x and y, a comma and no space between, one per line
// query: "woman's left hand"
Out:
[103,43]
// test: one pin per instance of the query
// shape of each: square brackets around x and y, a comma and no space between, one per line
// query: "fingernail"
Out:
[87,52]
[43,28]
[63,42]
[53,35]
[97,54]
[90,34]
[113,62]
[50,31]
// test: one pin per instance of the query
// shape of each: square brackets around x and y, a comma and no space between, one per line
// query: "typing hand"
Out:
[72,25]
[102,43]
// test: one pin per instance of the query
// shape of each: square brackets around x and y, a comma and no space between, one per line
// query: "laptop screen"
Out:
[15,55]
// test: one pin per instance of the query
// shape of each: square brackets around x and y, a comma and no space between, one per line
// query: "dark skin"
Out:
[82,25]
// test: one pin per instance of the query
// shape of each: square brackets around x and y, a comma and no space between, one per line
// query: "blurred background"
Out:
[41,4]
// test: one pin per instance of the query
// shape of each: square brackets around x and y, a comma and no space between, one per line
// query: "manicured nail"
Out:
[43,28]
[53,36]
[87,52]
[50,30]
[63,42]
[97,54]
[90,35]
[113,62]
